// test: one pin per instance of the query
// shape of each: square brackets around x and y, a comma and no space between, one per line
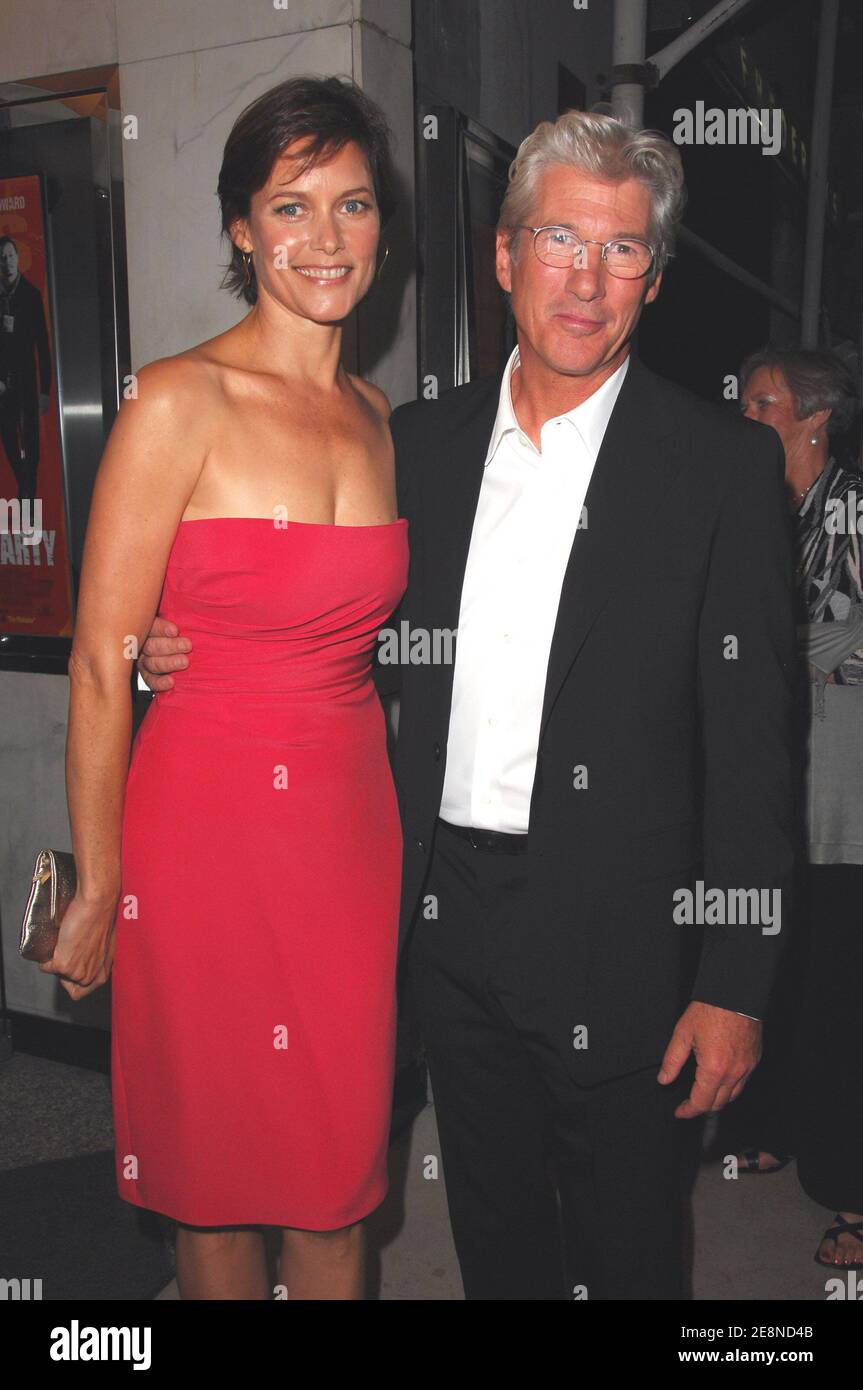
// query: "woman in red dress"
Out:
[242,874]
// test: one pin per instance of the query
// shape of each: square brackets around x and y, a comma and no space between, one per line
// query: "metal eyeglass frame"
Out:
[587,241]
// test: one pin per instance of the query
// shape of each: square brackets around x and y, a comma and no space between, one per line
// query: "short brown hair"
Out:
[329,112]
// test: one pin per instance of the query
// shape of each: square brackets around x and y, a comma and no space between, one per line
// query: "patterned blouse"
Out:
[828,556]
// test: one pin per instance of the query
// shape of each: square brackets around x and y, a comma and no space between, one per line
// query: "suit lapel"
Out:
[636,464]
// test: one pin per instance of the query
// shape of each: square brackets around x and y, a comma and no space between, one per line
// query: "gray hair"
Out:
[817,381]
[606,148]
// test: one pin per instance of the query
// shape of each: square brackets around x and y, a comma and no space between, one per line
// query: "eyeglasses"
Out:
[627,258]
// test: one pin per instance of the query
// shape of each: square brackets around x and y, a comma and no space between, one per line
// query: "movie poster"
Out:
[35,589]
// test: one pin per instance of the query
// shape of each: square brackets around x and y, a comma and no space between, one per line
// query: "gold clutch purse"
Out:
[53,888]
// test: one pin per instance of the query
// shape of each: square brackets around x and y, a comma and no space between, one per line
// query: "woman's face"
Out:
[314,235]
[768,398]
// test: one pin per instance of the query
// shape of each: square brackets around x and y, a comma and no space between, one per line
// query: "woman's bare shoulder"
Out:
[375,397]
[180,388]
[193,368]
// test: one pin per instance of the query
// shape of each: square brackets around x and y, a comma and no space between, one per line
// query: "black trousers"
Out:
[19,434]
[804,1097]
[555,1191]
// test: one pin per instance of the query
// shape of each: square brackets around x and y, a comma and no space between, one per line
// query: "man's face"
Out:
[8,262]
[579,320]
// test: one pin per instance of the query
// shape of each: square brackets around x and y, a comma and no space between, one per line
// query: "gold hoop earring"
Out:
[383,262]
[247,260]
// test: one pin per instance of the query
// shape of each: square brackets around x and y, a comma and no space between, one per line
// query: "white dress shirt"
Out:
[529,509]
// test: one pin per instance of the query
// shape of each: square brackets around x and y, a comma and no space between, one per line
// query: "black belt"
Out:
[492,841]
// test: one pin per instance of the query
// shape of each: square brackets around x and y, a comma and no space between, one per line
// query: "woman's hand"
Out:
[85,946]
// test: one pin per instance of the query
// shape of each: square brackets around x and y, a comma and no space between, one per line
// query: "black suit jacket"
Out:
[687,750]
[27,346]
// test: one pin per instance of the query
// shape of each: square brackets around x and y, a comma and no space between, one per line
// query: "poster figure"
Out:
[35,591]
[25,369]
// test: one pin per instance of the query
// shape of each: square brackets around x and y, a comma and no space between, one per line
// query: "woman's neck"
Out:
[803,468]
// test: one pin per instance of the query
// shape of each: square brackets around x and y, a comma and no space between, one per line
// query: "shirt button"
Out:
[420,846]
[436,752]
[491,723]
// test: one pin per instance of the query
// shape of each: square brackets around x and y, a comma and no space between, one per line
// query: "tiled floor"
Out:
[754,1237]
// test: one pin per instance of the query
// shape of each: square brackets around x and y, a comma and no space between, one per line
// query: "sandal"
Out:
[753,1163]
[841,1228]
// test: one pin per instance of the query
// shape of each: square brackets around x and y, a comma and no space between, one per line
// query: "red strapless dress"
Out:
[253,997]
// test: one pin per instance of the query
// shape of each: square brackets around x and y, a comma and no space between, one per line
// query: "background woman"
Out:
[804,1098]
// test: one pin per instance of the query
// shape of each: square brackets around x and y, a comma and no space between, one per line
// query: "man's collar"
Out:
[590,418]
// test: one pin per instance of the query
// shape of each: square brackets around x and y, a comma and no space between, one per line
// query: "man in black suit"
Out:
[24,348]
[615,556]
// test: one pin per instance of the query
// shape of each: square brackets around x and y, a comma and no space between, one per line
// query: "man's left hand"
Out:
[727,1049]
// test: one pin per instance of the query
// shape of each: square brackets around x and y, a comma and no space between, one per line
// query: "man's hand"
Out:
[727,1050]
[163,651]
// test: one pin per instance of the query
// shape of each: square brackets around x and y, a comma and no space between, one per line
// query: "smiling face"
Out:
[314,235]
[578,321]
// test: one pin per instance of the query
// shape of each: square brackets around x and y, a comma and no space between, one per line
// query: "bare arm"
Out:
[149,469]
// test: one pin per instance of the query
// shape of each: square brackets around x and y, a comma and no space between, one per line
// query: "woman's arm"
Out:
[148,472]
